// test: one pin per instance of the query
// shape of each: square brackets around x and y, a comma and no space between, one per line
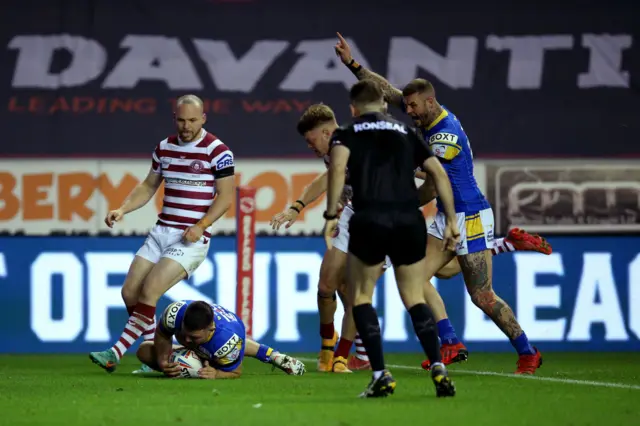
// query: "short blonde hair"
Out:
[190,100]
[314,116]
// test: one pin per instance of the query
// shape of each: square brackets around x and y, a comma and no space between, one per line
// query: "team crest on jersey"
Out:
[230,351]
[196,166]
[166,162]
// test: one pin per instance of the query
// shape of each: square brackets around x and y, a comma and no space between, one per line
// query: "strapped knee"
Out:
[324,296]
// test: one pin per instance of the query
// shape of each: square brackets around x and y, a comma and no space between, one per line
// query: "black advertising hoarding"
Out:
[570,197]
[99,77]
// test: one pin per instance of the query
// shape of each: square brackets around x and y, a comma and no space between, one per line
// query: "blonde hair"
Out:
[314,116]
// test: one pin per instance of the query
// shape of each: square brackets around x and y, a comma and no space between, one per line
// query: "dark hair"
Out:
[366,92]
[419,85]
[198,316]
[314,116]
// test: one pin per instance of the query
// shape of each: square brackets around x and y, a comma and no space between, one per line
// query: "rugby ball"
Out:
[188,362]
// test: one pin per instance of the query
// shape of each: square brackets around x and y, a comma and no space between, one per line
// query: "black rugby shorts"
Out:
[400,235]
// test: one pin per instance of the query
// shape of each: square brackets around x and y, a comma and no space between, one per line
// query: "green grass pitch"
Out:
[570,389]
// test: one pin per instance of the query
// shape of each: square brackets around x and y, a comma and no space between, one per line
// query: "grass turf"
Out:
[570,389]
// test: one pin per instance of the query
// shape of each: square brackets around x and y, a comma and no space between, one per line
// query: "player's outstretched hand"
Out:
[287,217]
[207,372]
[170,369]
[330,228]
[343,50]
[113,216]
[451,236]
[192,233]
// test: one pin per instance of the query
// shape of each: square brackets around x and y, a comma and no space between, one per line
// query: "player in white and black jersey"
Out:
[198,172]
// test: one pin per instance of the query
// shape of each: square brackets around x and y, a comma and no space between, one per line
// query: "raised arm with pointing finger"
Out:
[392,95]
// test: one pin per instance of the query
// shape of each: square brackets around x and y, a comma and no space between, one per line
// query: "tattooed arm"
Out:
[392,95]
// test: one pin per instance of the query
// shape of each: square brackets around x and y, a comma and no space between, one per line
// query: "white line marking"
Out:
[514,376]
[3,266]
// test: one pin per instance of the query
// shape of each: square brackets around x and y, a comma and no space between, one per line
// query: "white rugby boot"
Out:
[288,364]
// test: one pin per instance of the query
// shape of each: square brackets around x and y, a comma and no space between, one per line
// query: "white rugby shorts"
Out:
[164,241]
[341,240]
[476,230]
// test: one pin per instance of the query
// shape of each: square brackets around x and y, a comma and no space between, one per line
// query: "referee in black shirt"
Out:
[381,154]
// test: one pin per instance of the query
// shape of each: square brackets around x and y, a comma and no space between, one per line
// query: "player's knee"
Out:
[484,299]
[445,273]
[145,353]
[449,270]
[327,287]
[129,295]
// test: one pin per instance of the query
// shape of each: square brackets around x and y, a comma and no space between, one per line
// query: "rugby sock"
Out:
[447,333]
[522,345]
[426,330]
[366,320]
[327,331]
[142,317]
[150,331]
[264,353]
[361,352]
[344,346]
[502,246]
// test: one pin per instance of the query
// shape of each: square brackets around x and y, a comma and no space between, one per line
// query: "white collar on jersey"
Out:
[203,133]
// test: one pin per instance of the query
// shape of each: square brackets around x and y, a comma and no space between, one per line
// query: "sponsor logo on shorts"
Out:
[489,235]
[172,251]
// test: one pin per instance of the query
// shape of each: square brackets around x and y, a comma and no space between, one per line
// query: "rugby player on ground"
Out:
[196,168]
[448,141]
[216,335]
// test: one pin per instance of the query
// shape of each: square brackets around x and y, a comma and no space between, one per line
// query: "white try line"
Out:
[522,377]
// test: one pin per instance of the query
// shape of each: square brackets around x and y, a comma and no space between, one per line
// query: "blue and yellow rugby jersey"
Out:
[225,348]
[450,144]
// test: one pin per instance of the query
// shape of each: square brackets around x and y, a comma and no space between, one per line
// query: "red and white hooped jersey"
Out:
[189,170]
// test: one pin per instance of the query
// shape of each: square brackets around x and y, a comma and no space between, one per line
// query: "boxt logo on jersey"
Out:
[170,62]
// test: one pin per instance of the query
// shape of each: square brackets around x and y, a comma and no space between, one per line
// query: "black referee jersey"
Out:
[383,156]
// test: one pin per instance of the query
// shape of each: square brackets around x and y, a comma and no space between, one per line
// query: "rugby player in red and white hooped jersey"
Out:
[198,171]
